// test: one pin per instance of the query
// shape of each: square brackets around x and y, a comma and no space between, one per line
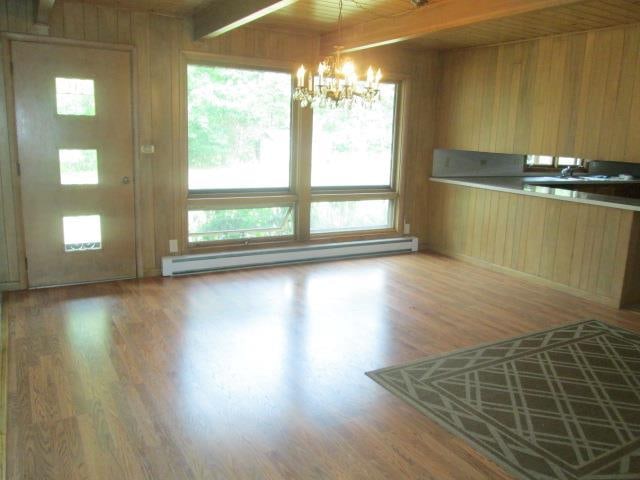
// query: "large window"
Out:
[353,152]
[239,128]
[244,174]
[355,147]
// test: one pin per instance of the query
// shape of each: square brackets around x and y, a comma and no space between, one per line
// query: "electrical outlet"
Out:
[173,246]
[148,149]
[407,228]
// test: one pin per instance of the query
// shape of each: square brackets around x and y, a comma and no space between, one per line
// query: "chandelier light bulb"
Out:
[322,69]
[301,73]
[349,69]
[370,77]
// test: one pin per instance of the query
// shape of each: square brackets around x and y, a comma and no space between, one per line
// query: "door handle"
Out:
[125,180]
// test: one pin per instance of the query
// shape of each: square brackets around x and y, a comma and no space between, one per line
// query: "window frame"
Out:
[253,201]
[291,205]
[226,192]
[363,192]
[394,155]
[300,194]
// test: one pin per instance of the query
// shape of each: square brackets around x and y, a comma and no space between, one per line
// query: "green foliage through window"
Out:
[351,216]
[75,96]
[78,167]
[239,128]
[354,147]
[240,223]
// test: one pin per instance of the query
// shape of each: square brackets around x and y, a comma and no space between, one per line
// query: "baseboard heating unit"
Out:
[211,262]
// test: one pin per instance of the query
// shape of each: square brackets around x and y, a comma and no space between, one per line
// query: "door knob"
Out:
[125,180]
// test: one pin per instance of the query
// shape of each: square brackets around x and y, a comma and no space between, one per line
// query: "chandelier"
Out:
[336,83]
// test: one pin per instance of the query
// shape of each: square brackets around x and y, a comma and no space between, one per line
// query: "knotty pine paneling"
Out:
[160,41]
[576,95]
[586,249]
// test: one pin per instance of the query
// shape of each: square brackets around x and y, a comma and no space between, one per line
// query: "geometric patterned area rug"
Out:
[559,404]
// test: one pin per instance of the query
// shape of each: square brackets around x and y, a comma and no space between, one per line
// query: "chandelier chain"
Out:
[340,6]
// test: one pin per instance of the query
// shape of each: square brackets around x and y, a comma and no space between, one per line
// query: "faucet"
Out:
[568,171]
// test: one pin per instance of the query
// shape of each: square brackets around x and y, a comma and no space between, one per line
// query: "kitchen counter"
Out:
[520,185]
[584,243]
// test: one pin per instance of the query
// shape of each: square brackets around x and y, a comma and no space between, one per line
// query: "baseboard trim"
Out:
[151,272]
[608,301]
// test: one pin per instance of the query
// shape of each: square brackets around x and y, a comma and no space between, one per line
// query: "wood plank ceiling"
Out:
[589,15]
[320,17]
[169,7]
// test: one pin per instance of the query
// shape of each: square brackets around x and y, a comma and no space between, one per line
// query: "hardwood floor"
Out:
[256,374]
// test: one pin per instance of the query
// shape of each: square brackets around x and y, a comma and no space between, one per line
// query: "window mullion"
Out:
[303,128]
[353,196]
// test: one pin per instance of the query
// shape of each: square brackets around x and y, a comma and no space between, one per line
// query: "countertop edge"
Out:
[587,199]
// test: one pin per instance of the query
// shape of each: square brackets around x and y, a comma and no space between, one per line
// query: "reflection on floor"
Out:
[256,374]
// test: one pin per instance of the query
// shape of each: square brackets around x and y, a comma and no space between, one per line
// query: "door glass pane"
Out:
[354,147]
[75,96]
[353,215]
[239,223]
[239,128]
[82,233]
[78,167]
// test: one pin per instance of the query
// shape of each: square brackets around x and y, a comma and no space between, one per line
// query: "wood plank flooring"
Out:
[256,374]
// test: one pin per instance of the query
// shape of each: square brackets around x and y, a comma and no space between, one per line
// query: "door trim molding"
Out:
[4,379]
[12,137]
[6,38]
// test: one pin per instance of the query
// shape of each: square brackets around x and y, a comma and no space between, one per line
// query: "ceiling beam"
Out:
[42,10]
[433,17]
[223,16]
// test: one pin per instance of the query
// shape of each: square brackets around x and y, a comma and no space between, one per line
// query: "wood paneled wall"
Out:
[159,42]
[577,247]
[575,95]
[17,16]
[9,239]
